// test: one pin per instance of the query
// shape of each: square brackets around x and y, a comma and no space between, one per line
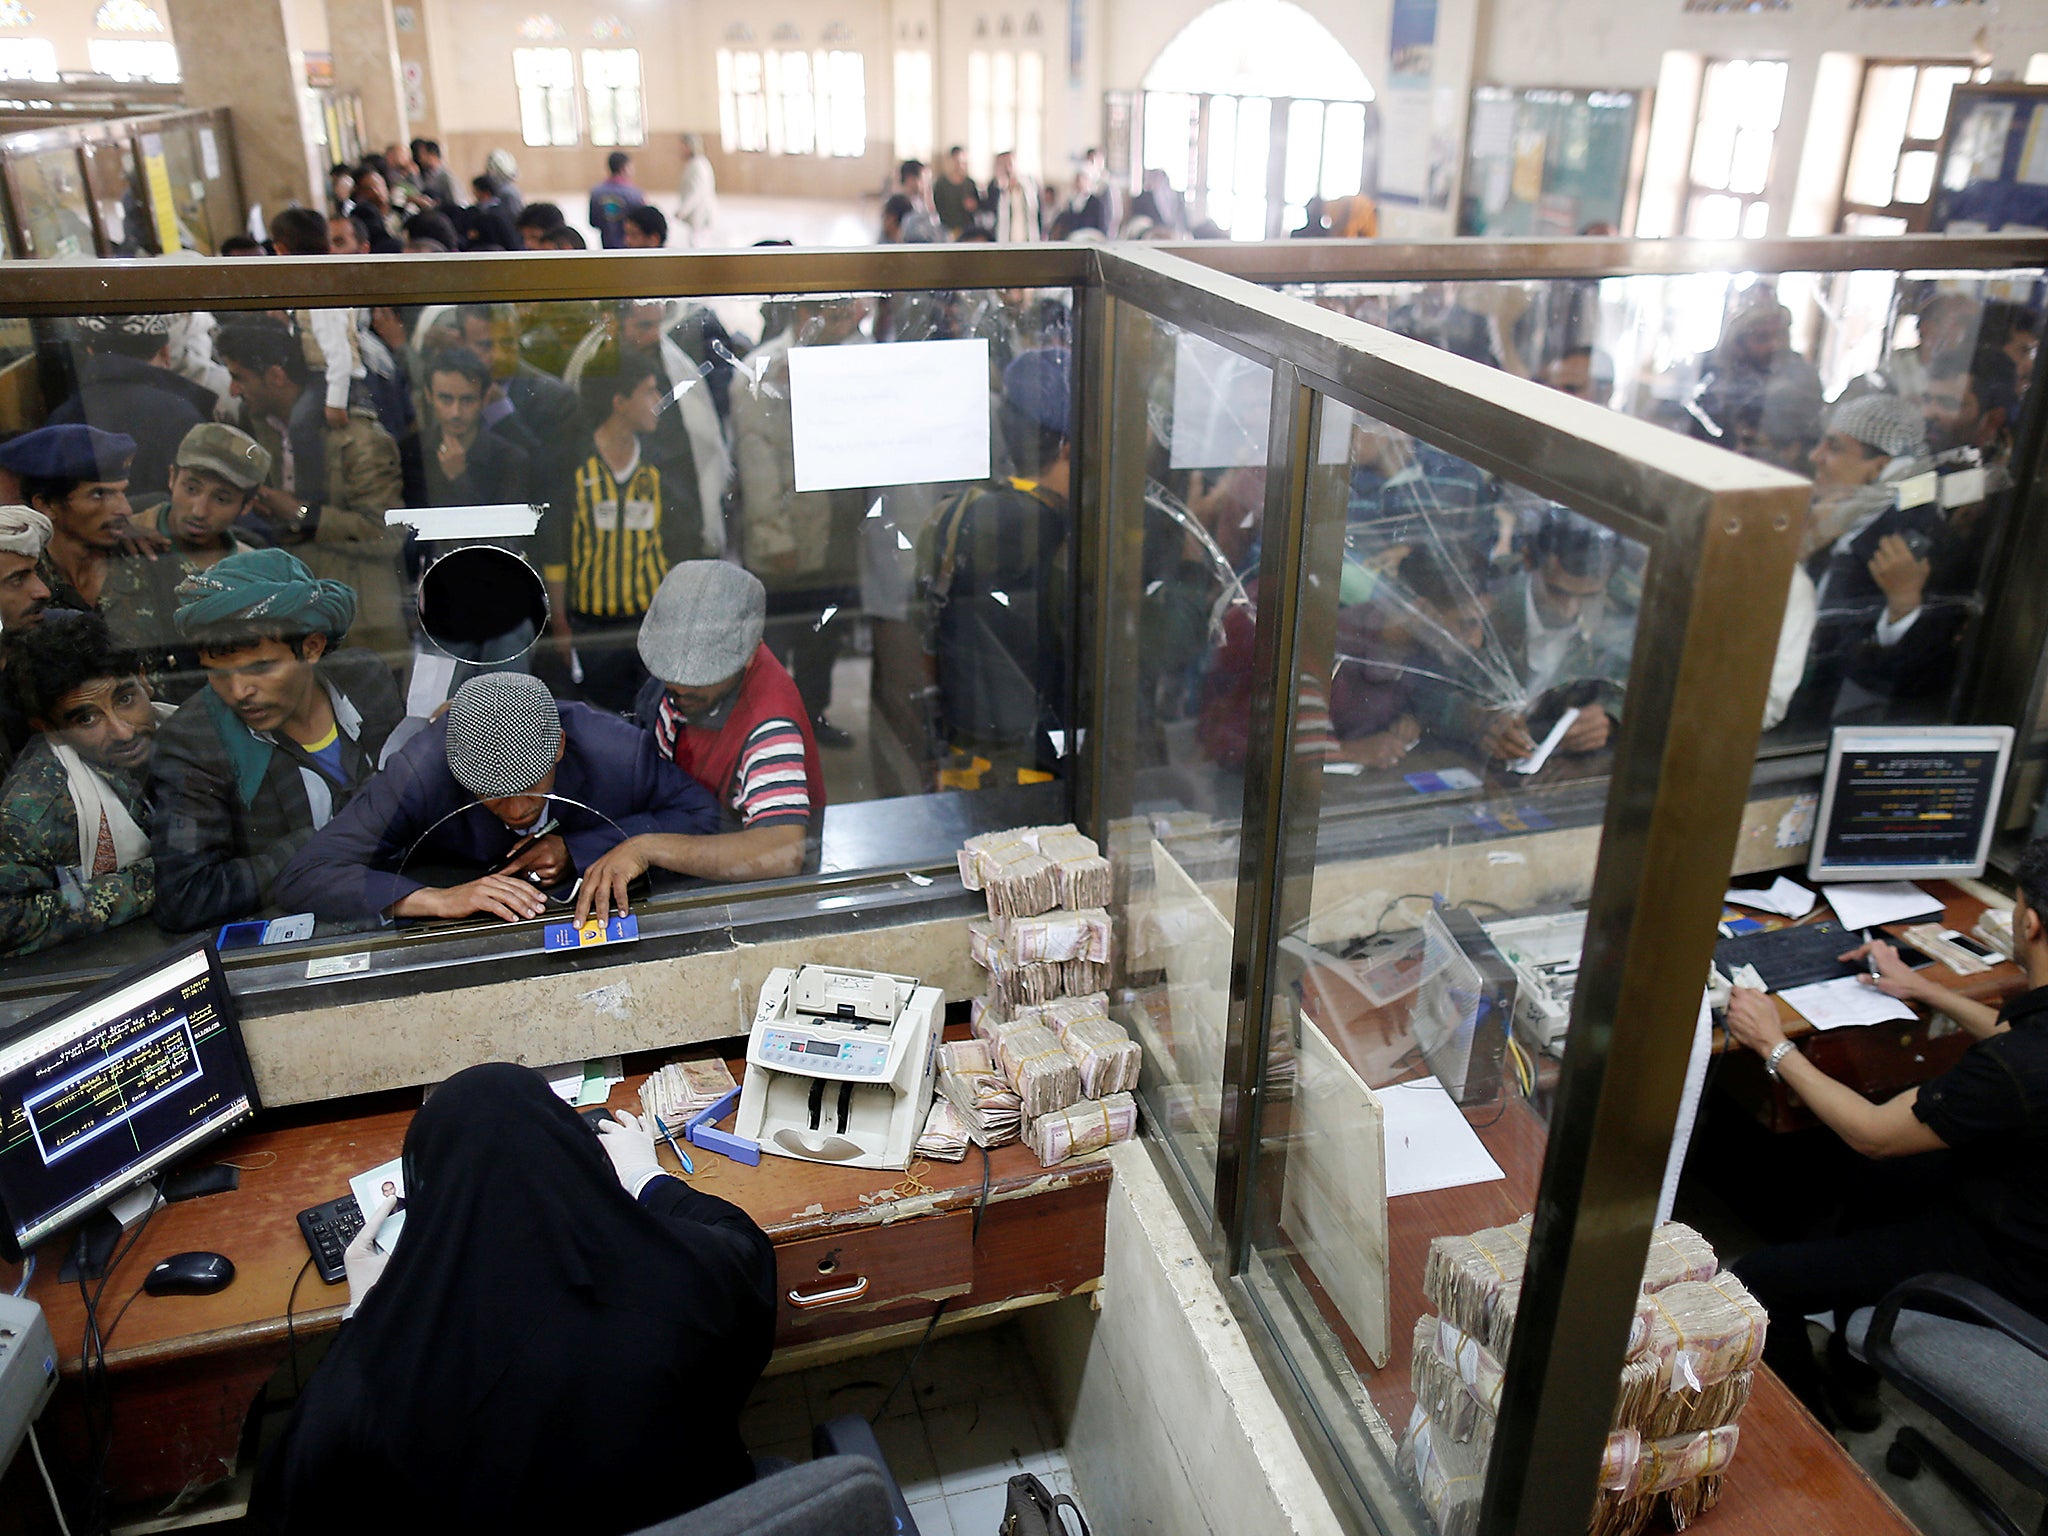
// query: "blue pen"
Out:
[675,1146]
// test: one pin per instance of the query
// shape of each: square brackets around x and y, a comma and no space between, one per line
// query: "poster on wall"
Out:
[162,206]
[1409,127]
[1411,44]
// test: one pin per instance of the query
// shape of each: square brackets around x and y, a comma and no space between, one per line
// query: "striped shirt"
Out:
[618,538]
[772,782]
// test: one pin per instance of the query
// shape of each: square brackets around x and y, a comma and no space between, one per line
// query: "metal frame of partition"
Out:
[1722,533]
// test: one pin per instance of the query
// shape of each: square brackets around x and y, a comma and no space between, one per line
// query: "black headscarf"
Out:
[543,1351]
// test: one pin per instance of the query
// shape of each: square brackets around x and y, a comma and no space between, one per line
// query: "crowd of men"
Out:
[211,624]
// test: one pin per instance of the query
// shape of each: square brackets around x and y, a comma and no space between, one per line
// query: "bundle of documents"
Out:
[1062,935]
[682,1090]
[1105,1053]
[945,1133]
[1084,1127]
[1035,1064]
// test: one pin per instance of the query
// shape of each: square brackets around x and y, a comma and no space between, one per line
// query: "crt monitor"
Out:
[113,1085]
[1907,803]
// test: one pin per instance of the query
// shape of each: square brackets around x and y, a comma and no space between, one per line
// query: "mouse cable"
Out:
[291,1337]
[49,1486]
[28,1273]
[981,1201]
[911,1364]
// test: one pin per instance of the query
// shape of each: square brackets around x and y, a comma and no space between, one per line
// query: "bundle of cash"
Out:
[968,1080]
[1016,985]
[1678,1253]
[1080,977]
[1035,1064]
[979,933]
[1450,1474]
[1084,1127]
[1683,1410]
[1079,872]
[1062,1013]
[945,1133]
[680,1091]
[1702,1332]
[1103,1049]
[1662,1465]
[1055,936]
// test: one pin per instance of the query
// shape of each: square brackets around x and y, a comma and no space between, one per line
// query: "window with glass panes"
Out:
[1899,119]
[742,101]
[914,131]
[1005,110]
[611,96]
[546,79]
[27,58]
[131,58]
[1741,101]
[842,90]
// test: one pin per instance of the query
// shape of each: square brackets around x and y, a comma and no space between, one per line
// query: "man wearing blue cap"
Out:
[77,477]
[990,567]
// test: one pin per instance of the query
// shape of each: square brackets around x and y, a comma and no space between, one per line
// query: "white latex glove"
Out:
[628,1141]
[362,1259]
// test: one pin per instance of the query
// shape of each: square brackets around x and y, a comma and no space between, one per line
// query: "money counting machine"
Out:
[839,1066]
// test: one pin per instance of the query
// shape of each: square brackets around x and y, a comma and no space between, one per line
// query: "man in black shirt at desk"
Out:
[1978,1134]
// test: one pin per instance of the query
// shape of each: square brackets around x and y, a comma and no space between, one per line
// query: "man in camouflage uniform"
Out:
[329,486]
[60,880]
[215,474]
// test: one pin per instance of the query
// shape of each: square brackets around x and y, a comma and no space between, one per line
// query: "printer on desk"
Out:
[839,1066]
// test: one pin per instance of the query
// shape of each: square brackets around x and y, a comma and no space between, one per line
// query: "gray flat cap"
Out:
[704,623]
[504,734]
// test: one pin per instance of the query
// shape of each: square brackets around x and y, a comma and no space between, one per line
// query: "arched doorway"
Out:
[1252,109]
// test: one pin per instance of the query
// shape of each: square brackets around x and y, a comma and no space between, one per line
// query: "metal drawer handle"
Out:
[832,1297]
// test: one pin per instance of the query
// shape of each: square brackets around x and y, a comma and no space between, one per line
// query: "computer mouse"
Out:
[190,1274]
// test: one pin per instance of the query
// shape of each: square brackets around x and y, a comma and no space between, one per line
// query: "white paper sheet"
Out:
[502,520]
[1534,762]
[1874,902]
[909,413]
[1222,407]
[1844,1002]
[1430,1144]
[1787,898]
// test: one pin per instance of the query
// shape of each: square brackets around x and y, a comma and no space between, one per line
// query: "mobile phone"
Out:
[1976,947]
[239,935]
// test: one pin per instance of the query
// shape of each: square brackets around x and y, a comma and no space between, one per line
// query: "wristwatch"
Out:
[1779,1052]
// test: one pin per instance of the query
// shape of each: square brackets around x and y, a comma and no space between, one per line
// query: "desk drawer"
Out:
[837,1283]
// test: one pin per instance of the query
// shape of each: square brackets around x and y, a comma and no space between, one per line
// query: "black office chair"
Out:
[847,1491]
[1977,1363]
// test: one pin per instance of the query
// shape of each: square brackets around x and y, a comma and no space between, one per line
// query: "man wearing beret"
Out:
[289,729]
[77,477]
[125,387]
[524,791]
[724,710]
[214,478]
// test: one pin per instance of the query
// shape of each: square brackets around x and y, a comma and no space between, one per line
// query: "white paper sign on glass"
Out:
[1222,406]
[908,413]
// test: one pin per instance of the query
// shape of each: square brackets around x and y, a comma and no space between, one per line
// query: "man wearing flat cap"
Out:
[725,711]
[77,477]
[288,730]
[526,793]
[125,387]
[214,478]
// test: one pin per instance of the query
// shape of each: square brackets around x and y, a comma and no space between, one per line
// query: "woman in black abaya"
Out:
[562,1340]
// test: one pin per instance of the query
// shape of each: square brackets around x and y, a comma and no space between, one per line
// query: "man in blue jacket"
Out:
[508,782]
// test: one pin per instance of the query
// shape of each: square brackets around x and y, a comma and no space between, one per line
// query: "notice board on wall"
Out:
[1549,161]
[1994,161]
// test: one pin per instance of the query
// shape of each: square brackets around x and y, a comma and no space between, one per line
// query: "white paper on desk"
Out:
[1787,898]
[1430,1144]
[1534,762]
[909,413]
[1844,1002]
[368,1188]
[1874,902]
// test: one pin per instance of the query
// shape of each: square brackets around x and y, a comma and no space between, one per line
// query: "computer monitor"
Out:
[111,1086]
[1907,803]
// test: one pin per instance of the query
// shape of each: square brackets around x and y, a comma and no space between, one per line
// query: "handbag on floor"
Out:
[1034,1510]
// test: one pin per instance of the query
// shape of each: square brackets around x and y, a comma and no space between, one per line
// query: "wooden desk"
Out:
[1877,1060]
[860,1255]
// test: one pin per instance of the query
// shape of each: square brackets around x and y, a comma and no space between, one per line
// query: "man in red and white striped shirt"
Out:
[726,712]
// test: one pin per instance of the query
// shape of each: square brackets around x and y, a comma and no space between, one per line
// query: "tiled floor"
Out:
[972,1415]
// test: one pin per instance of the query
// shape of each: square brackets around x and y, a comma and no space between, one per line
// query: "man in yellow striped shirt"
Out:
[622,518]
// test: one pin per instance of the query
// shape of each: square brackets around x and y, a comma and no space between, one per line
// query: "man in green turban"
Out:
[288,730]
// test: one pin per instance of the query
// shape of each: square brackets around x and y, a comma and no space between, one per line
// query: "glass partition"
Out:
[450,490]
[1420,716]
[47,188]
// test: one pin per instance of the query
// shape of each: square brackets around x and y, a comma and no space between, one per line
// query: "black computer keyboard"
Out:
[328,1229]
[1796,956]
